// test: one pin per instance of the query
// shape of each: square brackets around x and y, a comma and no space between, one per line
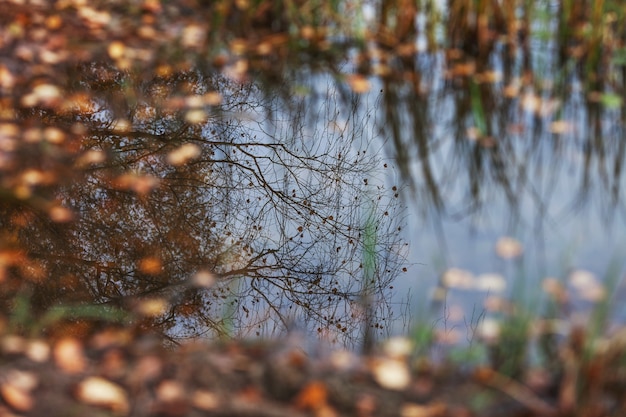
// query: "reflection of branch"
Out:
[279,215]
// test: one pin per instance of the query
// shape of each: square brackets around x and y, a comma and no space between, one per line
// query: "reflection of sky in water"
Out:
[562,223]
[560,227]
[565,201]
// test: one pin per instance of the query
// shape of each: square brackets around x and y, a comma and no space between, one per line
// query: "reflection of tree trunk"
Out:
[406,30]
[397,20]
[418,124]
[618,158]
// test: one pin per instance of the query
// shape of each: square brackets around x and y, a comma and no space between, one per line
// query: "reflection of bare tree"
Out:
[470,129]
[251,191]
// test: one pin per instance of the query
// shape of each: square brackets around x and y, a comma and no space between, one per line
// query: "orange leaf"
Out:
[358,83]
[16,398]
[312,397]
[69,355]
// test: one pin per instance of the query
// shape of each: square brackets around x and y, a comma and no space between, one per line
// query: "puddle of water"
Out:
[126,170]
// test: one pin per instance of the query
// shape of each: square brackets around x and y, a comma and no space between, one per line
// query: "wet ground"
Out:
[117,373]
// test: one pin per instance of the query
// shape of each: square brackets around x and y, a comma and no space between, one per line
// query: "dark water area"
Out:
[269,177]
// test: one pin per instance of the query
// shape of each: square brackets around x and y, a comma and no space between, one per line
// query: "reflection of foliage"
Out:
[163,178]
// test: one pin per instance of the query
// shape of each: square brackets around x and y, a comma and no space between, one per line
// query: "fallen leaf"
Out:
[553,287]
[358,83]
[16,398]
[69,355]
[398,347]
[508,248]
[184,153]
[205,400]
[103,393]
[24,380]
[391,373]
[312,397]
[47,95]
[116,49]
[54,135]
[366,405]
[448,337]
[196,116]
[147,369]
[37,351]
[16,389]
[489,329]
[150,265]
[561,127]
[342,360]
[490,282]
[60,214]
[152,307]
[13,344]
[416,410]
[458,278]
[170,391]
[213,98]
[203,279]
[581,279]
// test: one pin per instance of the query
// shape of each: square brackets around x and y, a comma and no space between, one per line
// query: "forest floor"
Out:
[114,373]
